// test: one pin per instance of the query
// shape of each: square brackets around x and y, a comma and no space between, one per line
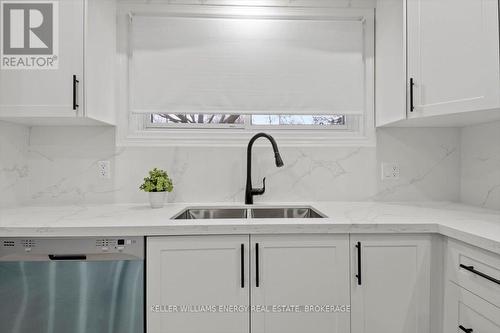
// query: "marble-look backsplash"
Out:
[60,167]
[480,165]
[14,169]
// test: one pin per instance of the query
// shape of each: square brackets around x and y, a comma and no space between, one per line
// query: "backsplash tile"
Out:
[429,159]
[14,168]
[480,165]
[63,164]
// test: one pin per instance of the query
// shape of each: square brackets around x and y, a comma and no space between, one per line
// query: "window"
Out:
[185,120]
[215,73]
[277,121]
[330,121]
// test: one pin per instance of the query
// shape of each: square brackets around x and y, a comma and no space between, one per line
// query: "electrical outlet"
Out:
[104,169]
[390,171]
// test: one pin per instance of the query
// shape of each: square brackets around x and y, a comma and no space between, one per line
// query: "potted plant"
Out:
[157,185]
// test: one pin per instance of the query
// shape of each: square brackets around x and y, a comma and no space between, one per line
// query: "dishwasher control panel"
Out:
[91,247]
[110,244]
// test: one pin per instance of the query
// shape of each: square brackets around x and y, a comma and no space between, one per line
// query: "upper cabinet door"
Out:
[43,92]
[390,288]
[453,56]
[195,271]
[300,270]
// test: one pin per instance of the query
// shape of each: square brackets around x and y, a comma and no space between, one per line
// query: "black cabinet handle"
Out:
[257,274]
[75,93]
[358,276]
[242,260]
[412,84]
[67,257]
[481,274]
[466,330]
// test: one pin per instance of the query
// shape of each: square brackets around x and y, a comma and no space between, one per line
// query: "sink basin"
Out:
[197,213]
[285,212]
[211,213]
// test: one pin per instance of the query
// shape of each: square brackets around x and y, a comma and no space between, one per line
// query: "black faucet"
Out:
[250,192]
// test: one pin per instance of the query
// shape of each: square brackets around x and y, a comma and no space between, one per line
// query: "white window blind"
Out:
[247,65]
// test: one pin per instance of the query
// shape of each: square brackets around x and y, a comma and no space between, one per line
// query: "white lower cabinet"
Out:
[304,270]
[467,313]
[390,285]
[472,290]
[292,283]
[196,271]
[474,269]
[295,270]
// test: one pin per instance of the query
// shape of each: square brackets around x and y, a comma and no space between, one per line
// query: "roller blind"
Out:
[242,65]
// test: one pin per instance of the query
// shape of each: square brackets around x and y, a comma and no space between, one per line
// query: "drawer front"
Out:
[468,313]
[475,270]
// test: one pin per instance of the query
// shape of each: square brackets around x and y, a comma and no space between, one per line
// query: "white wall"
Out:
[14,169]
[63,169]
[480,165]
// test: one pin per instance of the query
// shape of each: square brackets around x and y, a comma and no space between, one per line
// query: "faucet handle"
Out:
[260,191]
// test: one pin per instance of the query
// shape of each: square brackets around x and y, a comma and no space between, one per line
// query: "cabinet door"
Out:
[197,271]
[453,52]
[390,285]
[465,311]
[44,92]
[299,270]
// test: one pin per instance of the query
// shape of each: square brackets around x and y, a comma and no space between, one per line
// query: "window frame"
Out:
[136,130]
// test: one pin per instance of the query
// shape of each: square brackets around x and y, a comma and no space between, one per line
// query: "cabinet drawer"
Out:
[466,312]
[475,270]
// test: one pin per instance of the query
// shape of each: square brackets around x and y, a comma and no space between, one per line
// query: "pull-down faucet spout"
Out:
[250,192]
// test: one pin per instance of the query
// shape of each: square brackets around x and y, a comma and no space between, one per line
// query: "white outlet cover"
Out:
[104,169]
[390,171]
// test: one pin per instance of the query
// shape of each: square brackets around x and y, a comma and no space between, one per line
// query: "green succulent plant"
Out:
[158,181]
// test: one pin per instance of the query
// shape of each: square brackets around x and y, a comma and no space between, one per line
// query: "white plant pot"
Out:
[157,199]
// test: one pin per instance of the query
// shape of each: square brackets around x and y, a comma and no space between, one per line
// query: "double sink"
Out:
[196,213]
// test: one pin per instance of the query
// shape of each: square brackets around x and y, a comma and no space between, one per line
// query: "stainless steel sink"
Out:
[211,213]
[286,213]
[300,212]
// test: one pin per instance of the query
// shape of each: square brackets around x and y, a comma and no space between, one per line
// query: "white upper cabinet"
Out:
[79,88]
[48,92]
[453,56]
[451,52]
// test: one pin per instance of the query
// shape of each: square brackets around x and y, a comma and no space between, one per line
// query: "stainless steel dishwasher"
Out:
[69,285]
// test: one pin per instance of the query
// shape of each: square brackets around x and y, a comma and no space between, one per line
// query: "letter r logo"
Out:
[27,28]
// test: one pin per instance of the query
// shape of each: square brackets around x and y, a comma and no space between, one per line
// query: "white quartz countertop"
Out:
[476,226]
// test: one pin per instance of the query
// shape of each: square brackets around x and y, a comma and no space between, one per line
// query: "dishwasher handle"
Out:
[67,257]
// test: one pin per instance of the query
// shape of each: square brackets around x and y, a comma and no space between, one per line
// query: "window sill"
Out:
[240,138]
